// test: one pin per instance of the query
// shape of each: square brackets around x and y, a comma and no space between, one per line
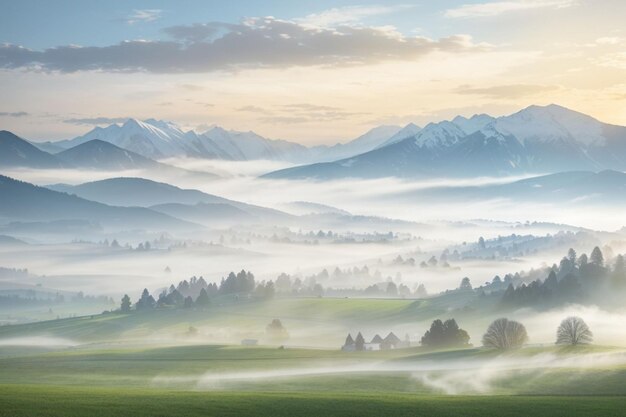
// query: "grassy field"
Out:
[311,321]
[114,368]
[29,401]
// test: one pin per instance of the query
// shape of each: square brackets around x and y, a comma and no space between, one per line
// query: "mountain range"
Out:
[157,139]
[536,139]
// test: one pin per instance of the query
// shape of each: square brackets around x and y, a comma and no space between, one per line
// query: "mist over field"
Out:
[289,209]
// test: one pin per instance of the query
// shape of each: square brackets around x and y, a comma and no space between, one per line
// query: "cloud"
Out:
[144,15]
[348,14]
[96,120]
[253,109]
[613,60]
[500,7]
[13,114]
[254,43]
[191,87]
[506,91]
[305,113]
[609,40]
[197,32]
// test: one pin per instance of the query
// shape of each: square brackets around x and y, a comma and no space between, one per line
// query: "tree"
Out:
[445,334]
[421,291]
[465,284]
[573,331]
[203,298]
[146,301]
[505,334]
[359,342]
[276,332]
[188,303]
[619,271]
[481,242]
[125,307]
[571,255]
[596,257]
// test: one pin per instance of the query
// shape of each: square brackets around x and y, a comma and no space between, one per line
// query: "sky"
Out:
[311,72]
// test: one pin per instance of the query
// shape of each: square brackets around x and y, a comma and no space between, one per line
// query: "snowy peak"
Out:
[474,123]
[407,131]
[442,134]
[535,139]
[375,136]
[550,123]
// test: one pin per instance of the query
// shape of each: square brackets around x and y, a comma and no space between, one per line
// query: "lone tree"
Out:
[573,331]
[465,285]
[505,334]
[125,307]
[276,332]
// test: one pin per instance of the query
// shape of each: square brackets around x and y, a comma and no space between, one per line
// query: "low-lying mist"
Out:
[510,373]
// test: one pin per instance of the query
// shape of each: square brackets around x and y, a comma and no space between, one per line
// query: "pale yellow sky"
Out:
[572,61]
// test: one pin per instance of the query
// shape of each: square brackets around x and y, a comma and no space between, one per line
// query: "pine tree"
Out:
[125,307]
[596,257]
[359,342]
[203,299]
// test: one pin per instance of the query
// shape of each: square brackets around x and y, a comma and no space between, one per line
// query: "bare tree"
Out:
[505,334]
[573,331]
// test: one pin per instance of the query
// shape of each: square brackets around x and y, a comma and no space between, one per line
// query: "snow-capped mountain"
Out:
[474,123]
[535,139]
[407,131]
[157,139]
[136,136]
[371,139]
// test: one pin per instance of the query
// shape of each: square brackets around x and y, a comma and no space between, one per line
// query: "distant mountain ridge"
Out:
[157,139]
[98,154]
[537,139]
[16,152]
[23,201]
[181,203]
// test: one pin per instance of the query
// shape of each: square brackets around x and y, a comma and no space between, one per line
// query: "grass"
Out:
[250,316]
[46,401]
[118,373]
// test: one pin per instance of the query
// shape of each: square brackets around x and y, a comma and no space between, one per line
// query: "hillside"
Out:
[98,154]
[16,152]
[189,203]
[26,202]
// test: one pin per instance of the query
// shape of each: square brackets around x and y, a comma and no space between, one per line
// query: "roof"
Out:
[392,339]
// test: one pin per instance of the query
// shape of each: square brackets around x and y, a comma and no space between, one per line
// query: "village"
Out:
[391,341]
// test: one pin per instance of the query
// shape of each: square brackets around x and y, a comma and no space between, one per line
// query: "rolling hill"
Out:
[26,202]
[98,154]
[146,193]
[17,152]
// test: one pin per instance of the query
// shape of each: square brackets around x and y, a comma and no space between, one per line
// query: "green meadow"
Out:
[142,364]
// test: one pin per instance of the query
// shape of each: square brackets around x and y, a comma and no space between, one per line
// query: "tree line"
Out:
[576,279]
[198,293]
[503,334]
